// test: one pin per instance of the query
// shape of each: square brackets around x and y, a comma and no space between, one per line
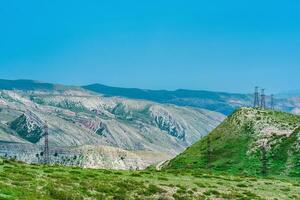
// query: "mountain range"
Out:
[187,151]
[107,127]
[92,130]
[222,102]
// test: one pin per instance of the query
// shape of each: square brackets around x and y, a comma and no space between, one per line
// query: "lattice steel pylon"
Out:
[46,147]
[262,99]
[272,102]
[256,98]
[33,118]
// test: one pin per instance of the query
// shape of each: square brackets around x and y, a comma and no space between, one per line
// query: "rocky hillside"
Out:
[250,141]
[90,130]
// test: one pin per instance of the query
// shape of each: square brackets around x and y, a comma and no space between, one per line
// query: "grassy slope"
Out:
[231,141]
[22,181]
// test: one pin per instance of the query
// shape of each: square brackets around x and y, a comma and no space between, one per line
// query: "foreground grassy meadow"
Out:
[23,181]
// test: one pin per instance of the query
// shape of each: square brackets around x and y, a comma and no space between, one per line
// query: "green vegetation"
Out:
[23,181]
[237,146]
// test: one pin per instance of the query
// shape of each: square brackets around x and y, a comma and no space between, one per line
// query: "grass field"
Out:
[23,181]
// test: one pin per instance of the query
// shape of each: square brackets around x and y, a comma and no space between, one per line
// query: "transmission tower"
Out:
[263,99]
[272,102]
[46,147]
[256,98]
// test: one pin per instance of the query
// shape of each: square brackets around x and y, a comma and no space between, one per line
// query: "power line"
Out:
[256,98]
[262,99]
[33,118]
[272,102]
[46,147]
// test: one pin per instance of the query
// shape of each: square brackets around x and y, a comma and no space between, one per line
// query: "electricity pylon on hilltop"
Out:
[46,147]
[33,118]
[272,102]
[256,98]
[262,99]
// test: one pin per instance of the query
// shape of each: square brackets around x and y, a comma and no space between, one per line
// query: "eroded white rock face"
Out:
[105,126]
[164,120]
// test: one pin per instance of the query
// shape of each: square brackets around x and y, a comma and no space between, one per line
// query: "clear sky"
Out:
[224,45]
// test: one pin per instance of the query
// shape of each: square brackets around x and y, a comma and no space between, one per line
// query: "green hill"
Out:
[250,141]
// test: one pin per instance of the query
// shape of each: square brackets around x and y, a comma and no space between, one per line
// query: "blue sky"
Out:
[167,44]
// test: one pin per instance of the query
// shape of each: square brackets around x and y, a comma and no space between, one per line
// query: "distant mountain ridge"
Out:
[222,102]
[216,101]
[181,97]
[289,94]
[27,85]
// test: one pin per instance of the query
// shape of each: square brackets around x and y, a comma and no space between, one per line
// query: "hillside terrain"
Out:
[250,141]
[31,182]
[89,130]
